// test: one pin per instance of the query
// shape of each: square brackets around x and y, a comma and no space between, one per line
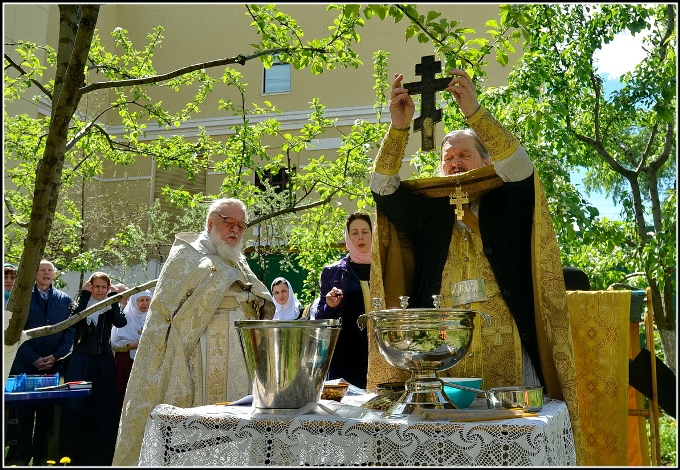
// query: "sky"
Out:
[613,60]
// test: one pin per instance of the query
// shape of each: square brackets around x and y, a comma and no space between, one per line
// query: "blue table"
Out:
[18,398]
[50,396]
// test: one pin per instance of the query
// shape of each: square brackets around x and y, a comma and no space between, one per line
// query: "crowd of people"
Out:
[179,346]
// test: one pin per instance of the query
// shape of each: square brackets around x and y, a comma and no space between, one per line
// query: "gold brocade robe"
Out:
[392,268]
[495,352]
[582,350]
[189,353]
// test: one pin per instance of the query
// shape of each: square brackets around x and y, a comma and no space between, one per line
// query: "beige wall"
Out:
[197,33]
[200,32]
[26,23]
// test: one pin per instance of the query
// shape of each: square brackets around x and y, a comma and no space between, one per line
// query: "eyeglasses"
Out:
[230,222]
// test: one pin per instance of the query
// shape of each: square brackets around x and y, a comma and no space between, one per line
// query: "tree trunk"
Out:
[49,172]
[669,343]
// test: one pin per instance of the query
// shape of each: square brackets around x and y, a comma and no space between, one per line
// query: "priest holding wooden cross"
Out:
[480,236]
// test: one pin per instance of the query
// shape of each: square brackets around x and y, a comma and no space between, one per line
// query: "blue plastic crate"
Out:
[28,383]
[16,383]
[36,381]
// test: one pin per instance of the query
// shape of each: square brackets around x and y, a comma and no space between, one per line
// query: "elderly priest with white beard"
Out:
[190,353]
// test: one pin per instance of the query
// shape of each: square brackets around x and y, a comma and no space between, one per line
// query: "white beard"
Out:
[225,251]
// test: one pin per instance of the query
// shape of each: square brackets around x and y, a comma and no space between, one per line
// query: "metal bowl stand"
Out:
[423,390]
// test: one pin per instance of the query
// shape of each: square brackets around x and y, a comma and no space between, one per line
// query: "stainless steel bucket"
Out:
[287,360]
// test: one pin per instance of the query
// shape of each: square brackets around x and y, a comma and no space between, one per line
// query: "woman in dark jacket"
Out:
[345,294]
[90,423]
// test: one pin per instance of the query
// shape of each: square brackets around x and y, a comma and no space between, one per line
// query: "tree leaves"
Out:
[554,102]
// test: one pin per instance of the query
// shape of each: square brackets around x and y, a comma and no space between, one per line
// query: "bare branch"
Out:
[606,156]
[70,321]
[650,145]
[239,59]
[292,210]
[666,151]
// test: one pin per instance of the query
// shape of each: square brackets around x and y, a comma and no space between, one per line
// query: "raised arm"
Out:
[385,176]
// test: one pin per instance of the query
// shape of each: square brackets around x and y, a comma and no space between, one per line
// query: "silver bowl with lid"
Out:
[422,341]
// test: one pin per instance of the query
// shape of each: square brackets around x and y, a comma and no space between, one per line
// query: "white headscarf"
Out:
[135,322]
[93,318]
[291,309]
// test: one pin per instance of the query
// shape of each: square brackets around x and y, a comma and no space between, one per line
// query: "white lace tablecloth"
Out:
[332,433]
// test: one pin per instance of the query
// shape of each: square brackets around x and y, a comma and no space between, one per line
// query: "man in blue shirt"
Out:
[38,356]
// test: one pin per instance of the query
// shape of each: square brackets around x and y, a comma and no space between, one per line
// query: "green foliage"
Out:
[668,438]
[426,163]
[327,178]
[554,103]
[624,141]
[15,87]
[659,253]
[89,148]
[314,239]
[449,39]
[280,33]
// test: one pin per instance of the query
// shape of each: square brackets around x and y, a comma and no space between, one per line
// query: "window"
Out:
[278,181]
[276,78]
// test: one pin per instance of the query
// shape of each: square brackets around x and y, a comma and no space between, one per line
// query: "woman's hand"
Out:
[117,289]
[334,297]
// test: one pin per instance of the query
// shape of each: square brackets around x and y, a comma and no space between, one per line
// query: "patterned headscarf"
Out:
[355,255]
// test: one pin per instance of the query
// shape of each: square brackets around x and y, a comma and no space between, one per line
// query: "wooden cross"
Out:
[458,197]
[427,88]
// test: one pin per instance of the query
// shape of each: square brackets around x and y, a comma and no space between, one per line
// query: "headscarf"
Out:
[135,322]
[93,318]
[291,309]
[355,255]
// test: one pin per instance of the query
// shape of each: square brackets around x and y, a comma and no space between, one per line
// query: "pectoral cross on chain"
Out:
[427,88]
[458,197]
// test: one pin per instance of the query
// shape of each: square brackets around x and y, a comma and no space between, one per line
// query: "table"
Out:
[333,433]
[18,398]
[47,396]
